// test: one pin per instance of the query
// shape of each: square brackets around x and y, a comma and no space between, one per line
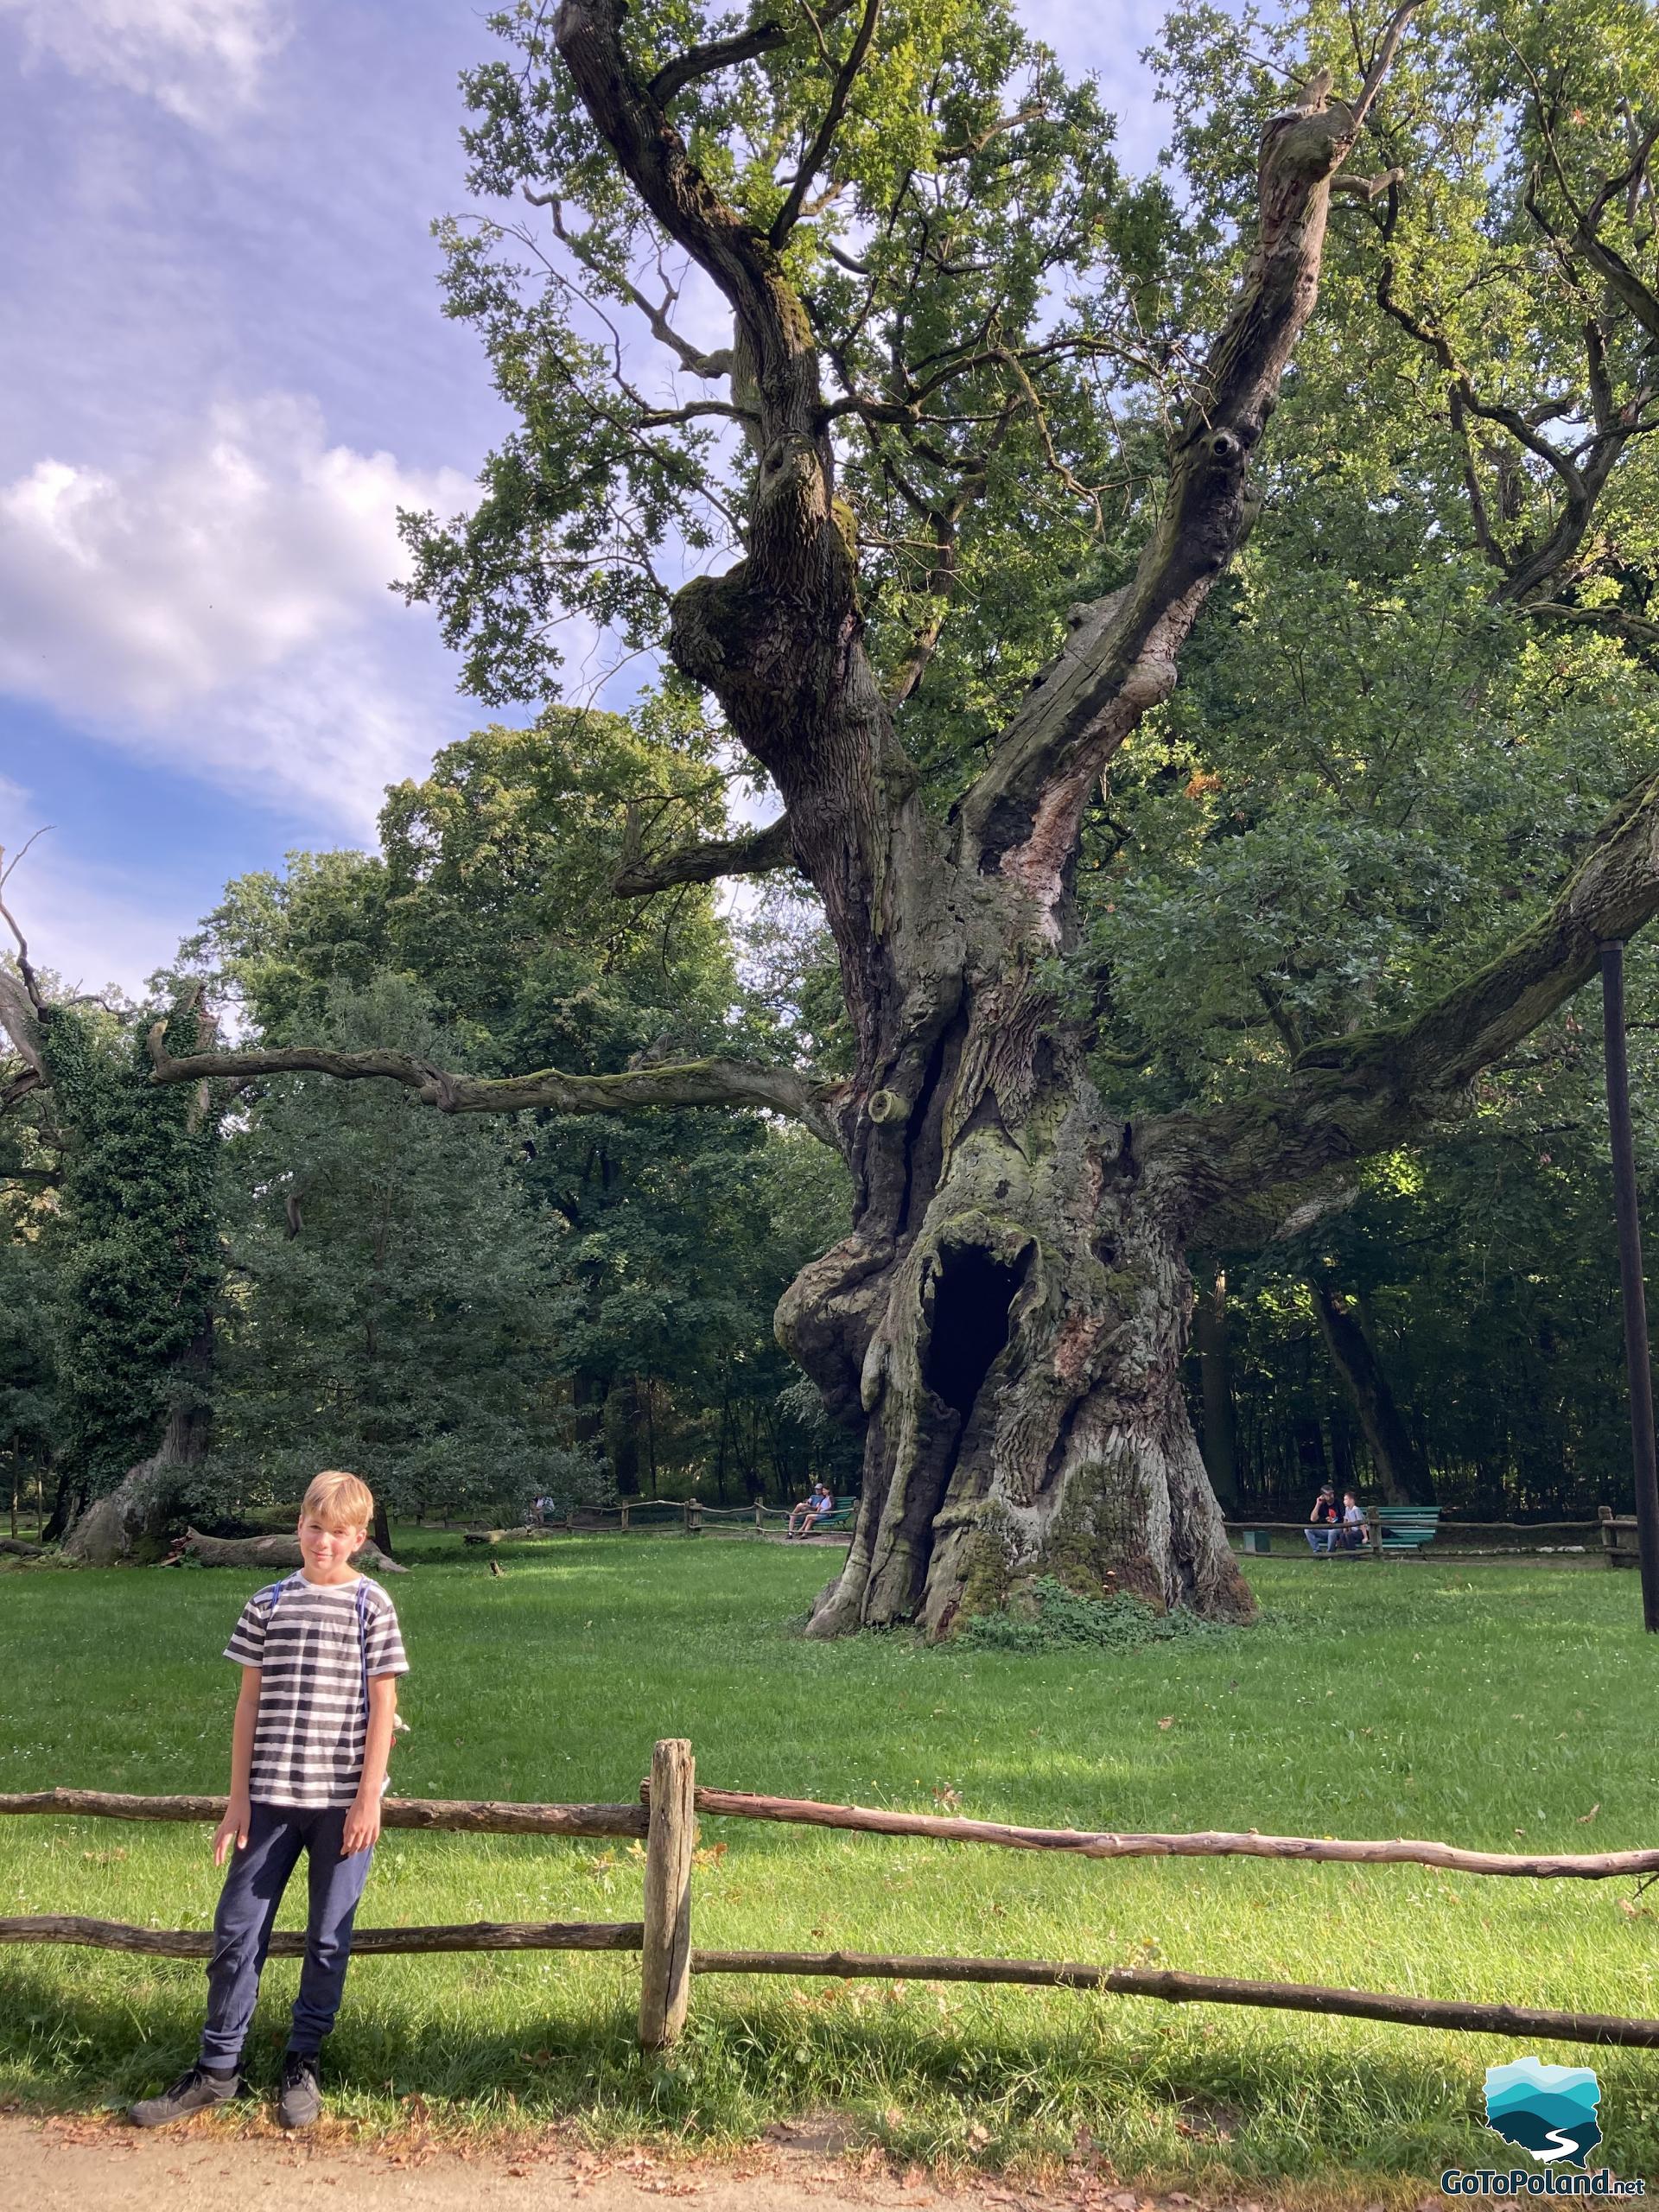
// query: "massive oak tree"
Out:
[922,351]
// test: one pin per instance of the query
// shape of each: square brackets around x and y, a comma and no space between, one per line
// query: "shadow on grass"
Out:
[927,2077]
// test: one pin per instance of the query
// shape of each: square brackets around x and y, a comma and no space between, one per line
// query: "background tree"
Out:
[667,1245]
[964,353]
[390,1309]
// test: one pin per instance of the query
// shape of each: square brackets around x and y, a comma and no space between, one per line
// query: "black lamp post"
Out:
[1637,1357]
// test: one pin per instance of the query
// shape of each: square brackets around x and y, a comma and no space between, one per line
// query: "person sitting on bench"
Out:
[1355,1535]
[810,1509]
[1322,1522]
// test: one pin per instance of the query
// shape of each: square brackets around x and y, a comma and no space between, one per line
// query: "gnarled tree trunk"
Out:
[1009,1318]
[129,1526]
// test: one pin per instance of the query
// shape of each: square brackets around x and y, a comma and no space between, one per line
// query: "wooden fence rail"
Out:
[481,1817]
[289,1943]
[666,1818]
[491,1817]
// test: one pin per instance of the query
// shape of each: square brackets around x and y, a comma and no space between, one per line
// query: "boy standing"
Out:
[321,1654]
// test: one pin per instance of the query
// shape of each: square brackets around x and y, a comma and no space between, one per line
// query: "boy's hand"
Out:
[232,1830]
[362,1830]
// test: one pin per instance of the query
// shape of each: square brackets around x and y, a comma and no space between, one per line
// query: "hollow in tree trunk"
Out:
[1009,1321]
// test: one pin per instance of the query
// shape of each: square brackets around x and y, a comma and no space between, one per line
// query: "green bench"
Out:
[841,1517]
[1406,1527]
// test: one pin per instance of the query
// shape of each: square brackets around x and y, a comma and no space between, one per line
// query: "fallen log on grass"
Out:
[273,1551]
[479,1817]
[17,1548]
[289,1943]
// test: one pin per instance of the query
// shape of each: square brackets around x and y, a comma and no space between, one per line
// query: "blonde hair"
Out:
[340,1501]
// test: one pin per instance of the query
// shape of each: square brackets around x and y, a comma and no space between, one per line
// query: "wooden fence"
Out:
[666,1819]
[689,1514]
[1461,1538]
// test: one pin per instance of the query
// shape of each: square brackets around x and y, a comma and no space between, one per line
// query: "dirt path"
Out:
[95,2165]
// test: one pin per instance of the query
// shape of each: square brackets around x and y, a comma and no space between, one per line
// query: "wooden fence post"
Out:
[666,1963]
[625,1521]
[757,1513]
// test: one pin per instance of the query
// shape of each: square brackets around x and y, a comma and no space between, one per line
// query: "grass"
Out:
[1494,1707]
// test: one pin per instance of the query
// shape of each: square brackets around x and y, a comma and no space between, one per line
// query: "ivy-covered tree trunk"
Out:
[140,1267]
[133,1524]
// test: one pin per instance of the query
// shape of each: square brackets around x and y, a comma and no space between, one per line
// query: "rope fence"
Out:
[666,1817]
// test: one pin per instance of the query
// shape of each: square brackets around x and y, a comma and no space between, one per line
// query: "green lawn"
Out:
[1494,1705]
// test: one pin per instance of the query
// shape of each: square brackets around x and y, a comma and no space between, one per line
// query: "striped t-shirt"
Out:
[307,1741]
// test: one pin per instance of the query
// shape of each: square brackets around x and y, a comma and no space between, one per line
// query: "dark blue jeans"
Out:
[247,1906]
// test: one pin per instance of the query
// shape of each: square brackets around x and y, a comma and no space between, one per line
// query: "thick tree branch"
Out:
[18,1086]
[21,1003]
[708,365]
[718,54]
[652,156]
[693,1083]
[1356,1096]
[787,216]
[757,854]
[1617,621]
[20,1019]
[1581,473]
[977,140]
[1023,814]
[1586,240]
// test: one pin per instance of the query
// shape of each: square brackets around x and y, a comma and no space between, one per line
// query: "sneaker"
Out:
[301,2102]
[195,2090]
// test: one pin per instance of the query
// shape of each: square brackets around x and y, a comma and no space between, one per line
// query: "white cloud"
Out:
[225,608]
[94,927]
[196,57]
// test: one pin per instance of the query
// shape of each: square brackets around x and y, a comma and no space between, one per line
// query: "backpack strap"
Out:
[271,1596]
[363,1640]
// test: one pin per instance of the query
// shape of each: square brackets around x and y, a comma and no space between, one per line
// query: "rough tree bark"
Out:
[1007,1318]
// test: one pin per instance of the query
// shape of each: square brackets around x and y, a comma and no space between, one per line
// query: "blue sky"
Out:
[225,368]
